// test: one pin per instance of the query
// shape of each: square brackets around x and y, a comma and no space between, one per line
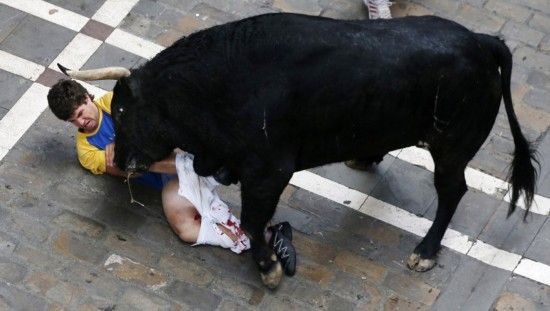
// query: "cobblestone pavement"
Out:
[73,241]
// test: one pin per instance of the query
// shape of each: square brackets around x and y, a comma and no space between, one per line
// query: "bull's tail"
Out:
[523,174]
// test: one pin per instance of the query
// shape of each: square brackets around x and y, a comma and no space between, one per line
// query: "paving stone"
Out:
[7,243]
[360,266]
[276,303]
[411,288]
[13,86]
[521,32]
[536,98]
[34,190]
[37,40]
[534,118]
[97,30]
[184,268]
[400,9]
[540,22]
[415,198]
[48,286]
[545,44]
[295,6]
[317,298]
[10,18]
[79,224]
[396,302]
[108,55]
[479,20]
[530,290]
[508,10]
[318,273]
[190,24]
[473,286]
[148,9]
[446,7]
[69,246]
[129,246]
[242,291]
[204,11]
[196,297]
[181,6]
[539,5]
[142,26]
[473,213]
[530,58]
[120,218]
[16,299]
[354,287]
[73,198]
[82,7]
[99,286]
[20,178]
[135,272]
[169,37]
[511,234]
[242,9]
[159,233]
[137,299]
[230,305]
[11,272]
[27,227]
[510,301]
[349,9]
[539,250]
[318,252]
[31,204]
[372,300]
[38,259]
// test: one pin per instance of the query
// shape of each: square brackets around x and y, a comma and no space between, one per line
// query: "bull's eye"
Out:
[119,113]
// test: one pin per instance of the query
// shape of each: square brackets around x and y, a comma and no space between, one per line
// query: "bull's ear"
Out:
[127,88]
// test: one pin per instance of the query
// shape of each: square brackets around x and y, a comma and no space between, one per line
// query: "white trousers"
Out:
[201,191]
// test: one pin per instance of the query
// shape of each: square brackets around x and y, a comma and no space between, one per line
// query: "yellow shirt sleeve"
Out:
[90,157]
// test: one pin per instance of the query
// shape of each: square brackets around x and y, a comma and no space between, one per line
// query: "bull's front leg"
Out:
[260,195]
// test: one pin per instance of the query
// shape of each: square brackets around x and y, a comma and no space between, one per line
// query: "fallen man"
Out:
[190,202]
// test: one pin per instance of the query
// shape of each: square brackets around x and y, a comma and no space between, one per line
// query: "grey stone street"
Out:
[70,240]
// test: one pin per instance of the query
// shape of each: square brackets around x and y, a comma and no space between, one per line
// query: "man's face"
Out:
[86,116]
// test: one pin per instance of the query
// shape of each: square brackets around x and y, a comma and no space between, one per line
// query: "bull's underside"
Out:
[273,94]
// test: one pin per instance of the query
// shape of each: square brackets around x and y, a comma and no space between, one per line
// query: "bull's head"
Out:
[140,132]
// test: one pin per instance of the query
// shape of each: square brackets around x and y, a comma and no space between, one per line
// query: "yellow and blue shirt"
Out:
[91,146]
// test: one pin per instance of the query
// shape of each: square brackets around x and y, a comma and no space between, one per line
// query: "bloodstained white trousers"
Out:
[201,192]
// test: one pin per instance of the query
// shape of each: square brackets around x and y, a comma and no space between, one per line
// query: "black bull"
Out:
[270,95]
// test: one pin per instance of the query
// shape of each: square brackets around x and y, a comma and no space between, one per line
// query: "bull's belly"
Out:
[334,149]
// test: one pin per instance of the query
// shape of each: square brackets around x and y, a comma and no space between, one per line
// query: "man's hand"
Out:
[111,169]
[110,154]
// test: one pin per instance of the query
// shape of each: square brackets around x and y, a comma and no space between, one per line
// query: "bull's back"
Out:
[323,83]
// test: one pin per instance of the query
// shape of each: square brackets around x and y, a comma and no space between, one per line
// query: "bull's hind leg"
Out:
[450,185]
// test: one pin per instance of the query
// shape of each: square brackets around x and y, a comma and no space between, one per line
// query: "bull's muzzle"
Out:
[133,166]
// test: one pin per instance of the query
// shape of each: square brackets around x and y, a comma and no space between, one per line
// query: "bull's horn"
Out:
[107,73]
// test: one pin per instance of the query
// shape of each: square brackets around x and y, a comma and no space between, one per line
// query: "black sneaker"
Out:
[281,243]
[285,228]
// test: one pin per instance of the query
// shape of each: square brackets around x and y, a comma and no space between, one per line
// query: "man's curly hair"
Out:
[65,96]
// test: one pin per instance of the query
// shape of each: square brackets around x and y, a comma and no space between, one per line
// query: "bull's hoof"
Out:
[415,263]
[273,277]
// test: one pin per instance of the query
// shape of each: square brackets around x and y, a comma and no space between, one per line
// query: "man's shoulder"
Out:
[104,102]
